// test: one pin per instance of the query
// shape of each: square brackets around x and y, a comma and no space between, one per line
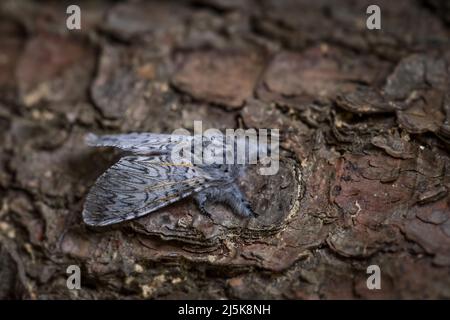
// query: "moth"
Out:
[147,179]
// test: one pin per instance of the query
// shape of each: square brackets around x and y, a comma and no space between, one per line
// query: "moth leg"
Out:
[201,198]
[230,196]
[235,199]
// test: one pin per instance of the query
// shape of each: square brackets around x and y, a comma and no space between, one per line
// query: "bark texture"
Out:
[365,162]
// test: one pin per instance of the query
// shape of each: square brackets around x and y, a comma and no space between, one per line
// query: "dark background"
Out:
[365,165]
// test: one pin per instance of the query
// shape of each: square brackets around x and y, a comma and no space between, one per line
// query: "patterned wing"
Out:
[137,185]
[138,143]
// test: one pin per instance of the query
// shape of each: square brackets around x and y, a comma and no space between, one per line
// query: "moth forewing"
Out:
[138,185]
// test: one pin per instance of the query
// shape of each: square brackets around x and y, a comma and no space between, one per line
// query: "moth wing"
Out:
[139,143]
[137,185]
